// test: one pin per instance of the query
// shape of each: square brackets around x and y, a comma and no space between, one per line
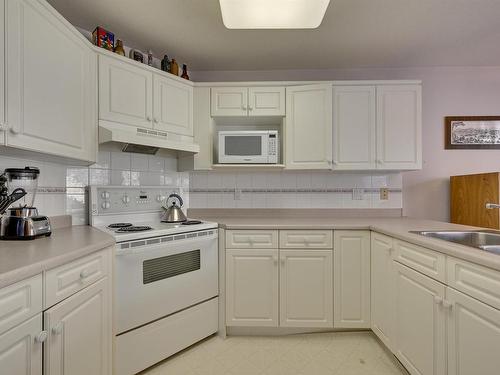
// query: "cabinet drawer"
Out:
[251,239]
[20,301]
[63,281]
[428,262]
[476,281]
[306,239]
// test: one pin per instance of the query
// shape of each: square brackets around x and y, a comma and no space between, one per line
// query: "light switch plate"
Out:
[384,194]
[358,194]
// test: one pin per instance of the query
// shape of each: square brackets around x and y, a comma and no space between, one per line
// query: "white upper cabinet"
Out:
[399,127]
[173,106]
[229,101]
[2,71]
[51,93]
[354,145]
[248,101]
[308,127]
[125,93]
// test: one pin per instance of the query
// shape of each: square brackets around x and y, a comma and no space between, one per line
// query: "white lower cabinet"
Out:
[252,287]
[420,329]
[306,288]
[21,348]
[473,336]
[79,333]
[351,263]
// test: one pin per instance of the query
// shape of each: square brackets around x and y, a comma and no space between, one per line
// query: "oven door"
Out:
[242,147]
[159,276]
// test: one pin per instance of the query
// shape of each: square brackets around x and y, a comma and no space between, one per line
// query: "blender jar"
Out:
[25,178]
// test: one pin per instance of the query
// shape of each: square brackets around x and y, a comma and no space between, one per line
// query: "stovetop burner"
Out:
[119,225]
[132,228]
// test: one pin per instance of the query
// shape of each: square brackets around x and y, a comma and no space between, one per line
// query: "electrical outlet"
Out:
[237,194]
[358,194]
[384,194]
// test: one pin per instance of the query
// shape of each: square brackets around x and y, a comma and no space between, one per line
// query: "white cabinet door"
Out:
[382,288]
[173,106]
[80,336]
[306,288]
[2,71]
[266,101]
[252,287]
[51,93]
[21,349]
[229,101]
[354,145]
[420,322]
[125,93]
[351,264]
[399,127]
[473,336]
[308,128]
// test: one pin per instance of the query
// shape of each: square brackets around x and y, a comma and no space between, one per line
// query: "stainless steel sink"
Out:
[487,240]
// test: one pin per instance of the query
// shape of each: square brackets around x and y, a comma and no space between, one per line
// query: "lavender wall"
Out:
[447,91]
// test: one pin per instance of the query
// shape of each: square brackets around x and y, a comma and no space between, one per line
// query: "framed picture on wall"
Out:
[472,132]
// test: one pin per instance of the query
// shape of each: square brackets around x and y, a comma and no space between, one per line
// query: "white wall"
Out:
[447,91]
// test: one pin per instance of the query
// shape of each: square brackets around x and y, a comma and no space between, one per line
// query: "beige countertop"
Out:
[23,259]
[394,227]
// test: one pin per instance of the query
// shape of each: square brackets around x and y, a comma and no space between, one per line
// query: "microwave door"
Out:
[243,148]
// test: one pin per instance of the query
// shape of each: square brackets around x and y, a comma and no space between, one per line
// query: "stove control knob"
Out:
[126,199]
[160,198]
[106,205]
[105,195]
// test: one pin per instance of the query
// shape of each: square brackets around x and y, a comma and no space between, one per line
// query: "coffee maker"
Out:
[22,221]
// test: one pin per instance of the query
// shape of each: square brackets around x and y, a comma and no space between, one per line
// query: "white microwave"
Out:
[248,147]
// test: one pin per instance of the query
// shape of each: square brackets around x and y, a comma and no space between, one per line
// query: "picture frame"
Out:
[472,132]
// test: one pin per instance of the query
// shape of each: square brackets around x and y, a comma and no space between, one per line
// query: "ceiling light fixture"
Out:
[273,14]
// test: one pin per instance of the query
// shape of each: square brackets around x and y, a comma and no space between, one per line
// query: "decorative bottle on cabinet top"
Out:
[184,72]
[119,48]
[165,64]
[174,67]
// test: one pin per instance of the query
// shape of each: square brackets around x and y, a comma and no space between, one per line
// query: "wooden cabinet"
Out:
[80,333]
[51,93]
[173,106]
[252,287]
[351,264]
[382,288]
[473,335]
[248,101]
[354,127]
[125,93]
[399,127]
[308,137]
[420,330]
[21,348]
[306,288]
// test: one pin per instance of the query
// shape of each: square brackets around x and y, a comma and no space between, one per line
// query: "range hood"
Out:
[144,141]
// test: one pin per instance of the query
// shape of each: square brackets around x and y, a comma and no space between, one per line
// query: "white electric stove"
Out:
[166,275]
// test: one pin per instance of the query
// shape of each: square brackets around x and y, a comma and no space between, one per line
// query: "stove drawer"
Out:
[66,280]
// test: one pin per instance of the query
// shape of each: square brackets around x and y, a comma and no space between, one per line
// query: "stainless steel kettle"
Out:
[173,212]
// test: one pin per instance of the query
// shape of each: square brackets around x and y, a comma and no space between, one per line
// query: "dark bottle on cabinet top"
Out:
[184,72]
[165,64]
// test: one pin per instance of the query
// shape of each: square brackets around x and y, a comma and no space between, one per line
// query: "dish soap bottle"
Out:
[184,72]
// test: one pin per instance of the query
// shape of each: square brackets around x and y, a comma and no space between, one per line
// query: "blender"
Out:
[22,221]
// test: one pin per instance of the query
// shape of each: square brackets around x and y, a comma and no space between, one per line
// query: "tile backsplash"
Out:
[294,189]
[62,189]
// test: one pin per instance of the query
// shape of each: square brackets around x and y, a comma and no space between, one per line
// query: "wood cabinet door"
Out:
[351,265]
[420,322]
[21,350]
[125,93]
[80,335]
[354,132]
[306,288]
[229,101]
[382,288]
[308,129]
[473,336]
[252,287]
[173,106]
[51,93]
[266,101]
[399,127]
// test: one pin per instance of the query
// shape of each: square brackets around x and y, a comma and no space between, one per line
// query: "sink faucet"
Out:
[490,206]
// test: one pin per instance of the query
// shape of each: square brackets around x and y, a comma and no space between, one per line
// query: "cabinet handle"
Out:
[14,130]
[84,274]
[156,121]
[275,259]
[243,107]
[379,161]
[282,261]
[2,126]
[57,329]
[447,304]
[250,108]
[438,300]
[41,337]
[148,118]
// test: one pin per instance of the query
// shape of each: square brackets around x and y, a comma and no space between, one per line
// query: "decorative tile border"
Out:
[293,191]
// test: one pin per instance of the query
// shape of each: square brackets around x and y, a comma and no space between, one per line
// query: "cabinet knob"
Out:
[250,108]
[148,118]
[156,121]
[84,274]
[243,107]
[275,259]
[438,300]
[41,337]
[447,304]
[57,329]
[283,261]
[14,130]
